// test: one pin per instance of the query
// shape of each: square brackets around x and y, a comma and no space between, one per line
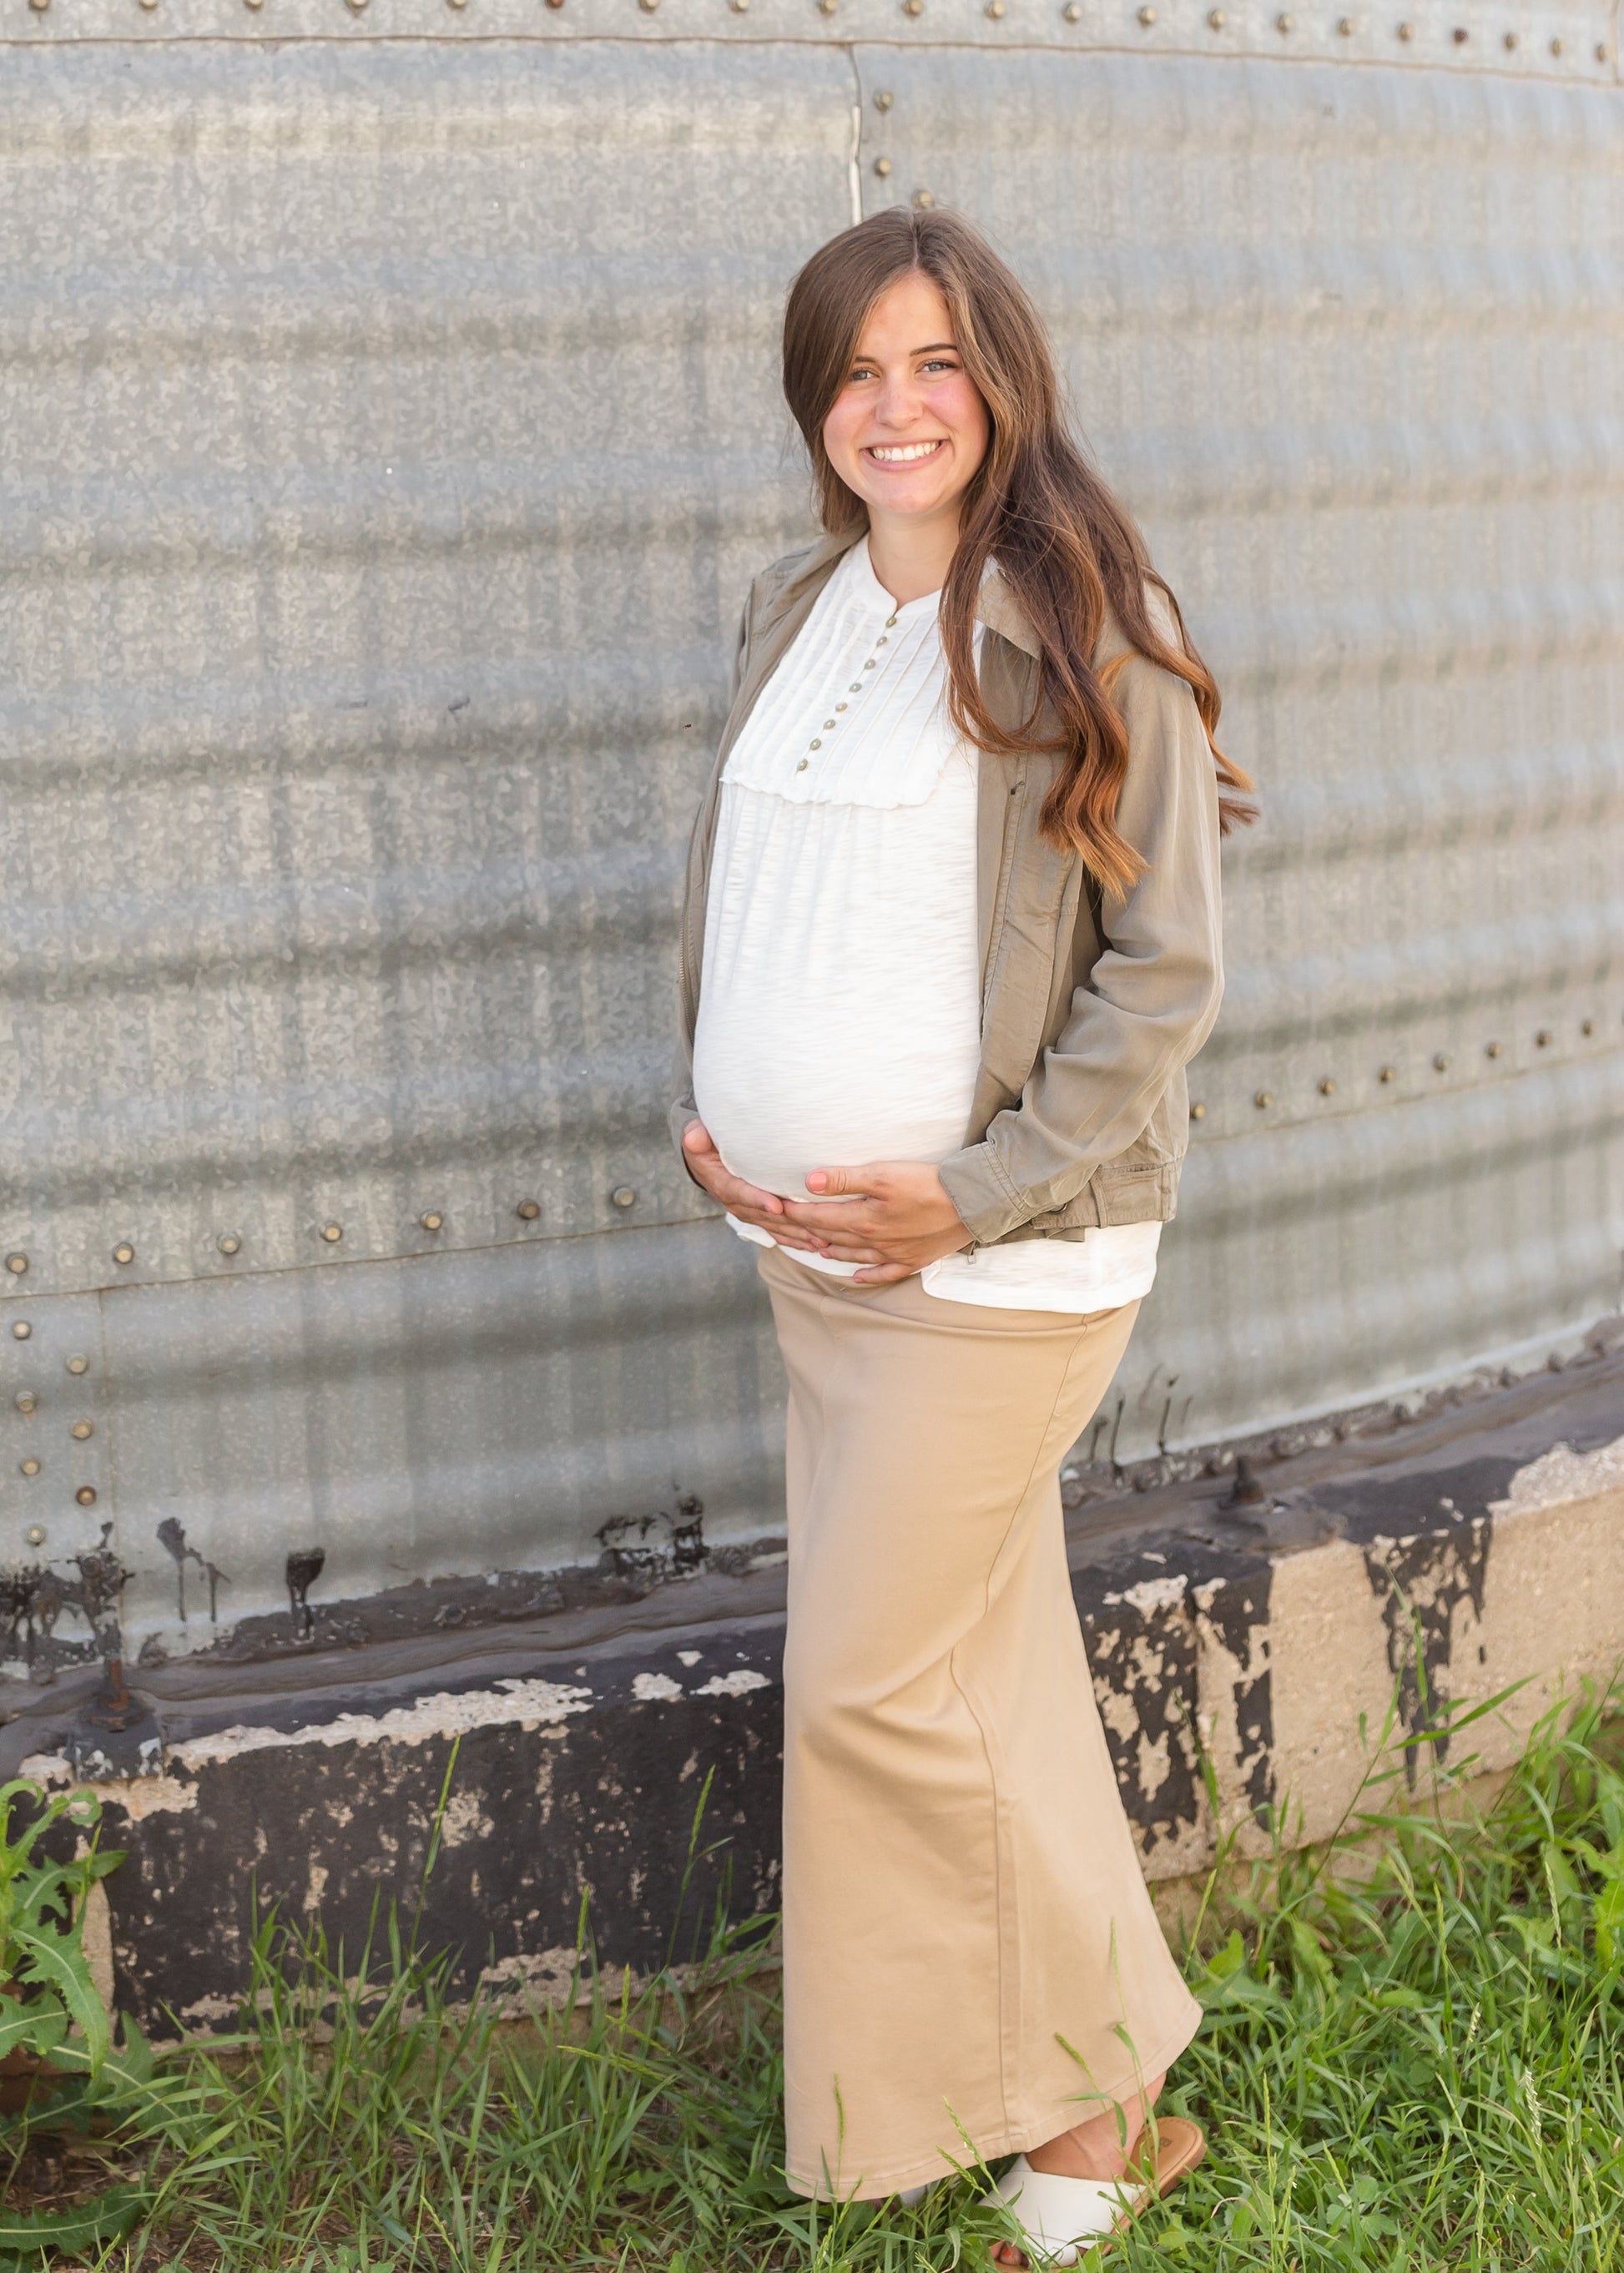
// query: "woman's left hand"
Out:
[903,1220]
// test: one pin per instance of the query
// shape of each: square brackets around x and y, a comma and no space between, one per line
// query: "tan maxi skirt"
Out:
[971,1960]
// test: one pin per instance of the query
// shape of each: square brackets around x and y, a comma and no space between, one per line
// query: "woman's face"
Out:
[909,430]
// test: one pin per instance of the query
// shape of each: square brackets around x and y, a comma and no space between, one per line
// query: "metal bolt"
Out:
[26,1401]
[1072,11]
[1587,1025]
[1543,1037]
[456,4]
[739,6]
[78,1365]
[1328,1087]
[357,5]
[1264,1096]
[1601,51]
[913,7]
[1510,40]
[624,1195]
[20,1329]
[17,1264]
[1556,46]
[1461,35]
[149,5]
[1216,20]
[332,1232]
[229,1244]
[38,6]
[1441,1060]
[647,6]
[82,1430]
[529,1210]
[994,8]
[827,7]
[1388,1073]
[1407,31]
[1147,16]
[882,167]
[1493,1049]
[433,1221]
[123,1252]
[253,4]
[1198,1113]
[29,1467]
[555,3]
[86,1495]
[35,1532]
[923,200]
[1345,26]
[1282,23]
[884,99]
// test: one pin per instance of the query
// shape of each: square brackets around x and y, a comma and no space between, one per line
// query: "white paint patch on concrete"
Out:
[464,1820]
[532,1703]
[1561,1475]
[689,1656]
[738,1684]
[655,1689]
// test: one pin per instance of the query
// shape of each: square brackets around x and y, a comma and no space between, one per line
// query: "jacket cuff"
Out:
[987,1204]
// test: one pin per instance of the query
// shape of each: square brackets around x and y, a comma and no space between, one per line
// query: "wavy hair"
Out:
[1062,543]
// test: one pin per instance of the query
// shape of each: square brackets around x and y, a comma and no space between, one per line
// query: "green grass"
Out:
[1410,2059]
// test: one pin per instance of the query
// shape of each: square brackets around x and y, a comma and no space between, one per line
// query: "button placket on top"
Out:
[856,687]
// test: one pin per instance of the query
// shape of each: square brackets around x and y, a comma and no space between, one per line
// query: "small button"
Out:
[843,706]
[829,722]
[802,765]
[855,687]
[30,1467]
[882,640]
[816,743]
[890,621]
[869,666]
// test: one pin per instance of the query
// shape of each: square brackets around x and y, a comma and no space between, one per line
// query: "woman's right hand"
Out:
[748,1202]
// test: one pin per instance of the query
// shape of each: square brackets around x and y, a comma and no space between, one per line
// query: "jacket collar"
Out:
[997,605]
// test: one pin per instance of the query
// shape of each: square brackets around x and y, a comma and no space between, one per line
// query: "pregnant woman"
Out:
[951,934]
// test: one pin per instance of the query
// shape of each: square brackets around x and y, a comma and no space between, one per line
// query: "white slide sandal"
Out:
[1060,2219]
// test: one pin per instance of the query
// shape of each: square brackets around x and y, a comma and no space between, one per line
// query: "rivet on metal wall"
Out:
[1510,40]
[1282,23]
[1345,26]
[1264,1096]
[882,167]
[21,1330]
[913,7]
[229,1244]
[1198,1113]
[456,4]
[1388,1073]
[332,1232]
[555,3]
[1587,1025]
[647,6]
[26,1401]
[253,4]
[1542,1039]
[994,8]
[1328,1087]
[17,1264]
[28,1467]
[740,7]
[1441,1060]
[528,1211]
[1556,46]
[1216,20]
[35,1534]
[124,1252]
[1601,51]
[1407,31]
[82,1430]
[884,99]
[1147,16]
[827,7]
[1459,35]
[78,1365]
[86,1495]
[1072,11]
[924,200]
[1493,1049]
[357,5]
[38,6]
[433,1221]
[624,1195]
[149,5]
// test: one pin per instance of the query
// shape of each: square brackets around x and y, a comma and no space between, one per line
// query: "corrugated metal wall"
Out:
[389,432]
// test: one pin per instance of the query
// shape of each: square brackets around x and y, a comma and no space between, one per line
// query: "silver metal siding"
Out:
[388,434]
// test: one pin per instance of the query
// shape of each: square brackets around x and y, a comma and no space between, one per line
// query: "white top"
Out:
[839,1016]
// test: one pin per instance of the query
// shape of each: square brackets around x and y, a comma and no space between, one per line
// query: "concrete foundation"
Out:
[1417,1559]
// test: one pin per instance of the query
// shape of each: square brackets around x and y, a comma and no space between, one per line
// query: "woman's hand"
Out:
[903,1220]
[748,1202]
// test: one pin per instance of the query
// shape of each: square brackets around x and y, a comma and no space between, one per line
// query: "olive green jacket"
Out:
[1091,1004]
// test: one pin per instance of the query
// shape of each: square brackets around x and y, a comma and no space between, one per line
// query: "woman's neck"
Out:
[911,556]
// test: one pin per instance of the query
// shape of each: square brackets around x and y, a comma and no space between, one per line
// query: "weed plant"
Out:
[1410,2059]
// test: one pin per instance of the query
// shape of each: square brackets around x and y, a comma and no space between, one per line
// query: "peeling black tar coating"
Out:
[1421,1583]
[302,1571]
[602,1806]
[652,1548]
[33,1596]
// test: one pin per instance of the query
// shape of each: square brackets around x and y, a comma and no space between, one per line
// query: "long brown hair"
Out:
[1064,545]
